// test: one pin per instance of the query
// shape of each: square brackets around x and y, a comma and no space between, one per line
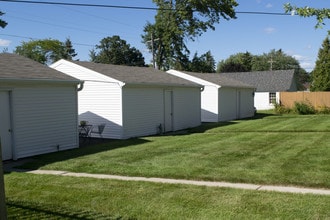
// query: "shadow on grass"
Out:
[92,146]
[211,125]
[261,115]
[28,210]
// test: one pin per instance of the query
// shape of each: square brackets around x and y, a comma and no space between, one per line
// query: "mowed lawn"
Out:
[269,149]
[32,196]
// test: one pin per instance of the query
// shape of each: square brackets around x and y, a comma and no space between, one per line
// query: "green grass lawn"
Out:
[270,149]
[32,196]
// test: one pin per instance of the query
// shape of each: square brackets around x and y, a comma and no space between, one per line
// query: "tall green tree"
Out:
[244,62]
[46,51]
[319,82]
[240,62]
[70,52]
[321,72]
[114,50]
[203,64]
[3,23]
[273,60]
[180,20]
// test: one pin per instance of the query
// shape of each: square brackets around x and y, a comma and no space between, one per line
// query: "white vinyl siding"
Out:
[247,103]
[209,104]
[186,108]
[143,111]
[45,119]
[261,101]
[130,110]
[235,103]
[227,104]
[220,103]
[5,125]
[101,102]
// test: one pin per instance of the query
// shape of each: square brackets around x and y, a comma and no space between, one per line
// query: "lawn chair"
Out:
[98,130]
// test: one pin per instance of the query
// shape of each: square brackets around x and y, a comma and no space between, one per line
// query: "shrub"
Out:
[303,108]
[324,110]
[280,109]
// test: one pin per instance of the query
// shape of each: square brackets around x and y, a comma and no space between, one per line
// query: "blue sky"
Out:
[86,26]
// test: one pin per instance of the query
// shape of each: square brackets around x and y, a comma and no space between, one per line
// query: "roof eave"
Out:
[56,81]
[239,87]
[163,84]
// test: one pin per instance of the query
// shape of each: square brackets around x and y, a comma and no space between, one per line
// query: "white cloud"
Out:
[299,57]
[305,62]
[269,30]
[307,66]
[309,47]
[4,43]
[269,5]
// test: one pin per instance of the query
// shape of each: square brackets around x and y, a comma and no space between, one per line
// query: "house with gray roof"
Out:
[133,101]
[222,98]
[268,85]
[38,108]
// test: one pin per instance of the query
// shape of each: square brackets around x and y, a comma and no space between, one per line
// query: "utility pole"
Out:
[3,209]
[152,41]
[152,49]
[271,61]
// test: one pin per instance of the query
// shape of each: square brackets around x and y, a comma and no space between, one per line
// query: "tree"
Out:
[69,51]
[179,20]
[3,24]
[46,51]
[113,50]
[240,62]
[203,64]
[321,72]
[320,14]
[274,60]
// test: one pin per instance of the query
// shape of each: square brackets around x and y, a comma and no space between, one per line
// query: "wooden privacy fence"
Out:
[316,99]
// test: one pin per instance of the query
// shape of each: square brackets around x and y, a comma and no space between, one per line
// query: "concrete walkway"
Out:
[286,189]
[10,167]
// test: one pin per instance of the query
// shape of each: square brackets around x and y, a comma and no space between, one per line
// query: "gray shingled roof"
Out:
[267,81]
[137,75]
[220,80]
[16,67]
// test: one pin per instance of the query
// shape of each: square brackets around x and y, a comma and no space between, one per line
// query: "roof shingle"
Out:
[16,67]
[136,75]
[220,80]
[267,81]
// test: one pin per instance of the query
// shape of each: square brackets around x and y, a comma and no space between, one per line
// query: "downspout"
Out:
[81,86]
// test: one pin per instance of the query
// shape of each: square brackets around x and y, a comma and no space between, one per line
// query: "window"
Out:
[272,97]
